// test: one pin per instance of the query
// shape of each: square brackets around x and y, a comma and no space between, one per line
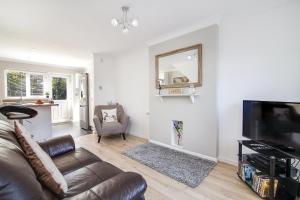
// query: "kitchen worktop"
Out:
[38,105]
[30,104]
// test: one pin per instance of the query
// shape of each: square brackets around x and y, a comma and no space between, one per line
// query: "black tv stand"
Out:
[286,149]
[271,161]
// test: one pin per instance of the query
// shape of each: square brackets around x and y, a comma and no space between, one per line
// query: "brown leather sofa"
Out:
[87,176]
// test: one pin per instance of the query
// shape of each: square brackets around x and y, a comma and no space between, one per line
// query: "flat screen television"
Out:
[275,123]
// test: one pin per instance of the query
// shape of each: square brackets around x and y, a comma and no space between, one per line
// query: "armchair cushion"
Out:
[109,115]
[112,128]
[99,108]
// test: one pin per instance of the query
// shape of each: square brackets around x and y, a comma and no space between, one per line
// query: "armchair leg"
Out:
[99,138]
[123,135]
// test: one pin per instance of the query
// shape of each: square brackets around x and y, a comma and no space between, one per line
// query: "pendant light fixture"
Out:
[125,22]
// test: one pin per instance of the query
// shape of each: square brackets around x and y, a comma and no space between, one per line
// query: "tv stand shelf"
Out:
[248,184]
[264,149]
[268,160]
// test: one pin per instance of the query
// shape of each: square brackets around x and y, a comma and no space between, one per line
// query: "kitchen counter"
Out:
[38,105]
[40,127]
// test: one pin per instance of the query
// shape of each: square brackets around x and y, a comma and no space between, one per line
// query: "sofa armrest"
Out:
[97,123]
[124,186]
[58,145]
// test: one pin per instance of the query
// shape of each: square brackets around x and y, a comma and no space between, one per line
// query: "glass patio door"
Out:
[60,96]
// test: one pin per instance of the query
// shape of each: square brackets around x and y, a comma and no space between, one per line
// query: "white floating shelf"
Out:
[191,96]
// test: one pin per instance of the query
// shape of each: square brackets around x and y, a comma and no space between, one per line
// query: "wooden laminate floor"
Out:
[221,184]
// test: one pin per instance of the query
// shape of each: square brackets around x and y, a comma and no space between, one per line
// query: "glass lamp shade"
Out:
[125,30]
[114,22]
[134,22]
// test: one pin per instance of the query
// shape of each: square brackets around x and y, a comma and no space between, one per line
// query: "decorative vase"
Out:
[178,126]
[179,140]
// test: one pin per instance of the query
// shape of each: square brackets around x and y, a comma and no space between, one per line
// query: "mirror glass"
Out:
[179,68]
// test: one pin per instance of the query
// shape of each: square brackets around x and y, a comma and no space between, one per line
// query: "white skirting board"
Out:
[185,151]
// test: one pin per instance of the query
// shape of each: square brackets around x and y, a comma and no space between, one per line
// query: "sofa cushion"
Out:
[123,186]
[17,178]
[74,160]
[41,163]
[87,177]
[126,185]
[7,131]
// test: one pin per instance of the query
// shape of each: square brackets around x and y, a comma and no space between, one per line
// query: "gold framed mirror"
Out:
[179,68]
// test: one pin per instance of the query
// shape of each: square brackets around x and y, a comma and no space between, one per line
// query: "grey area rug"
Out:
[185,168]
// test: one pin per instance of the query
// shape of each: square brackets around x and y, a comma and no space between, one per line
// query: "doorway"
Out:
[61,95]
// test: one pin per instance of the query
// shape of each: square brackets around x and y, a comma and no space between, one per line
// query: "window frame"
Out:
[28,85]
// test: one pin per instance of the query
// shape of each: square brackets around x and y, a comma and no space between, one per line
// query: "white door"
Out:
[61,96]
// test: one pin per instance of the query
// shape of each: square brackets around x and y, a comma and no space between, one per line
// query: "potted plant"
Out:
[47,95]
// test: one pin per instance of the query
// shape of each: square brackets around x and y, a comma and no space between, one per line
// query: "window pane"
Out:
[36,85]
[16,82]
[59,88]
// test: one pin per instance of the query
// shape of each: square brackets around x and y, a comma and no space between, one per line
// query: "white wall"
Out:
[4,65]
[200,128]
[123,78]
[104,79]
[260,60]
[132,88]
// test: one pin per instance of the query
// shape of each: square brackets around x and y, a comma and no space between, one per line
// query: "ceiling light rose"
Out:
[124,22]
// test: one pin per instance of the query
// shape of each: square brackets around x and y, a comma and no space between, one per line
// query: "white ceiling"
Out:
[68,32]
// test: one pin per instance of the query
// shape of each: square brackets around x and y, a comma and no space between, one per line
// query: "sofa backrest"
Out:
[99,108]
[17,178]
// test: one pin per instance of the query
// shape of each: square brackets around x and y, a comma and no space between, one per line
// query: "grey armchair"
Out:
[110,128]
